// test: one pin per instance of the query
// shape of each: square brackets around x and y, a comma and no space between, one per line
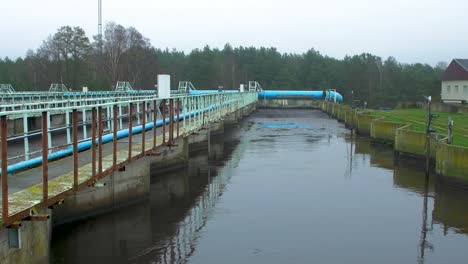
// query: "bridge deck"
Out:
[26,187]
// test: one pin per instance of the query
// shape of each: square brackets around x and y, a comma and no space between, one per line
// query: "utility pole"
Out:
[429,130]
[100,19]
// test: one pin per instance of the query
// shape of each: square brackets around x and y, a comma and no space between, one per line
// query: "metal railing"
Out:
[86,128]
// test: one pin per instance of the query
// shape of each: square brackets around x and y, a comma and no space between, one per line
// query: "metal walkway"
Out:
[69,142]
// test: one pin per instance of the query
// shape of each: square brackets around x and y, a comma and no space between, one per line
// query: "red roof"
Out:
[456,71]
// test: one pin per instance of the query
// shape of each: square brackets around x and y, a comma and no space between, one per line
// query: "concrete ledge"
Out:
[413,142]
[381,130]
[451,161]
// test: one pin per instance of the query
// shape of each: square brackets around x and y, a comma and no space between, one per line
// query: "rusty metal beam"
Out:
[143,130]
[130,132]
[4,154]
[45,160]
[114,147]
[100,130]
[93,145]
[164,121]
[171,121]
[178,116]
[155,119]
[75,148]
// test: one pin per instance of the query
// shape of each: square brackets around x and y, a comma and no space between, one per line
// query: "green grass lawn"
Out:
[417,118]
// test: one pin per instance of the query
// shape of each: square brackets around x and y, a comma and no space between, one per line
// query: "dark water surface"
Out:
[285,186]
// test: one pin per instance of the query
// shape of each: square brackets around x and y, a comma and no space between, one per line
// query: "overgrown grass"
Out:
[418,117]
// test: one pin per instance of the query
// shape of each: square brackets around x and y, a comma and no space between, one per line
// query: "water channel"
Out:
[284,186]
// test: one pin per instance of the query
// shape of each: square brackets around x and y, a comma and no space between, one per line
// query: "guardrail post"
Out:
[68,126]
[45,156]
[4,153]
[143,129]
[75,148]
[49,133]
[93,143]
[130,131]
[138,113]
[85,133]
[164,121]
[171,121]
[108,114]
[100,130]
[155,119]
[26,136]
[114,147]
[120,117]
[178,116]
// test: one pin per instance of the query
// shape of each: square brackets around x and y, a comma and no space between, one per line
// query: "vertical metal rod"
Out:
[26,136]
[4,153]
[49,134]
[108,112]
[45,161]
[114,149]
[164,120]
[178,116]
[155,119]
[120,117]
[130,131]
[101,128]
[143,129]
[85,132]
[75,148]
[68,126]
[93,142]
[138,113]
[171,121]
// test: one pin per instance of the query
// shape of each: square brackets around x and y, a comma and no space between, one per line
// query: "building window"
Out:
[456,89]
[449,89]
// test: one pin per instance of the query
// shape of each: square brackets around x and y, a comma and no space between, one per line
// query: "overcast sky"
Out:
[410,30]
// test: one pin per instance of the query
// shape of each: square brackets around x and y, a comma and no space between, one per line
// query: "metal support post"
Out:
[130,131]
[75,148]
[143,128]
[155,119]
[26,136]
[114,147]
[45,156]
[93,143]
[85,132]
[4,153]
[100,130]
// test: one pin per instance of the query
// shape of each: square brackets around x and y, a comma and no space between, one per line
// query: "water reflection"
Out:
[285,186]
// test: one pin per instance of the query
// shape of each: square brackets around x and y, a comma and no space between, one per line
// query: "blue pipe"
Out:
[105,139]
[273,94]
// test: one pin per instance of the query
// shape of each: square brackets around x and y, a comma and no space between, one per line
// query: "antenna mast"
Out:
[100,19]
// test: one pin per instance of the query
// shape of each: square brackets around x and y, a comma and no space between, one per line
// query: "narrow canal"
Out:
[285,186]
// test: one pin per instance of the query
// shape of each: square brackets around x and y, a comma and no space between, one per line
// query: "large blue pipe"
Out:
[273,94]
[105,139]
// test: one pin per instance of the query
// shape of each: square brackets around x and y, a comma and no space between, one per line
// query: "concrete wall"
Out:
[34,237]
[382,130]
[363,123]
[413,142]
[451,162]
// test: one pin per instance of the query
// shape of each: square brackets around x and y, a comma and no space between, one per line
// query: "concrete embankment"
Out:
[450,160]
[30,243]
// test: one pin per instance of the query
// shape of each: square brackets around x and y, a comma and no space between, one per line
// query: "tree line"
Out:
[124,54]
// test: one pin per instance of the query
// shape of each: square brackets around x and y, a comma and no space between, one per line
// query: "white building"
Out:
[455,82]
